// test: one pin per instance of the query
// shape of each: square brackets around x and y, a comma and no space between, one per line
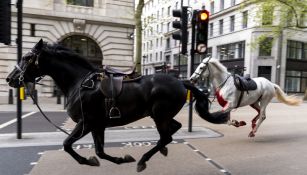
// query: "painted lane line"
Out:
[33,163]
[14,120]
[212,162]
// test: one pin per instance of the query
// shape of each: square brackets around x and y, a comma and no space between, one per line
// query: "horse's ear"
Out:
[39,45]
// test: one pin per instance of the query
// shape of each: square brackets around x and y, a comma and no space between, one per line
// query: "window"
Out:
[233,2]
[167,58]
[245,19]
[32,29]
[168,43]
[265,71]
[211,29]
[296,81]
[267,15]
[231,51]
[296,50]
[209,52]
[88,3]
[265,47]
[161,40]
[221,5]
[212,7]
[221,23]
[169,11]
[156,56]
[168,26]
[161,55]
[302,19]
[232,23]
[289,21]
[84,46]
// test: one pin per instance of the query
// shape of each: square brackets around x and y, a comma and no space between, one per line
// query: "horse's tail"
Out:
[282,97]
[202,106]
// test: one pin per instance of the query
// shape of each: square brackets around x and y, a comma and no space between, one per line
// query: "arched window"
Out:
[85,47]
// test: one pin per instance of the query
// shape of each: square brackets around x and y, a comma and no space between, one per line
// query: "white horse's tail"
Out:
[282,97]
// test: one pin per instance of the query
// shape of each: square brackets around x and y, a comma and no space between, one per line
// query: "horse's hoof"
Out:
[141,167]
[164,151]
[242,123]
[251,134]
[128,158]
[93,161]
[235,123]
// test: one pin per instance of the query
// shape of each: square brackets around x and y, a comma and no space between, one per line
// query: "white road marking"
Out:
[33,163]
[14,120]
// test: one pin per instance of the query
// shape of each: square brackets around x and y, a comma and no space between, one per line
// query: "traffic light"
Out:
[202,20]
[182,25]
[5,21]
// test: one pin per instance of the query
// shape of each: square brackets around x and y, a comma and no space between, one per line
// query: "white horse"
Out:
[229,97]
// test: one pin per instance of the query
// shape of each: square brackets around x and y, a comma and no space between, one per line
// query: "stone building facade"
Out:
[100,30]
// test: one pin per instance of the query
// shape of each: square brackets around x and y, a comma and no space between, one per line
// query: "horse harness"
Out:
[243,84]
[111,82]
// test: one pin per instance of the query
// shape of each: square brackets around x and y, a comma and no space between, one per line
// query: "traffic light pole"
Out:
[19,55]
[192,54]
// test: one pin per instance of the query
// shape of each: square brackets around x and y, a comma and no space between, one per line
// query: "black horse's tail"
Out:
[202,106]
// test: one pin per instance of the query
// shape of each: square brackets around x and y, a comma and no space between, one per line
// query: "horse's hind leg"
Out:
[99,144]
[262,116]
[174,127]
[165,138]
[79,131]
[257,108]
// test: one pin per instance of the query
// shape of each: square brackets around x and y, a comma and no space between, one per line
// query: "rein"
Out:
[44,115]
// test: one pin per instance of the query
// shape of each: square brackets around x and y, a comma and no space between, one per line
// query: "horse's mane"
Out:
[218,64]
[67,54]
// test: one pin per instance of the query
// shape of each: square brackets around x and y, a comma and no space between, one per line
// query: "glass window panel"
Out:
[292,84]
[293,73]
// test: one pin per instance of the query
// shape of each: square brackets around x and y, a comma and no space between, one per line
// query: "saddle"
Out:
[111,86]
[244,83]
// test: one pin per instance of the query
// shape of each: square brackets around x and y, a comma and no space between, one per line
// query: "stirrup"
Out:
[114,113]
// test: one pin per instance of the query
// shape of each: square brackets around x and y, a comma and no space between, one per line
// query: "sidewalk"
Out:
[46,103]
[50,104]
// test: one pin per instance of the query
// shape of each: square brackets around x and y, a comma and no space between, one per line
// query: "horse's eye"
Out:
[201,68]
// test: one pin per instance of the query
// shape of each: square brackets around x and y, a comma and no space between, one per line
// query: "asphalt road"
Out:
[20,160]
[279,147]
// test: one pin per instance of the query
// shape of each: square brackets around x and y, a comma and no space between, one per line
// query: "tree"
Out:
[278,15]
[291,13]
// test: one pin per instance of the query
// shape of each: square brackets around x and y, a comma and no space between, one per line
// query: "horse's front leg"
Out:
[78,132]
[99,145]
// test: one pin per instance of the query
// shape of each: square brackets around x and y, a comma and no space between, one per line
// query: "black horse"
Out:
[159,96]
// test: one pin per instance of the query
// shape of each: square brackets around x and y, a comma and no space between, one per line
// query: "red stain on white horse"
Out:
[221,100]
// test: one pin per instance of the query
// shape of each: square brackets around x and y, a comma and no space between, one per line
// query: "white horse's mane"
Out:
[218,64]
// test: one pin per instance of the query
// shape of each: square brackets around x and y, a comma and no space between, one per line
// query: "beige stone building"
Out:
[100,30]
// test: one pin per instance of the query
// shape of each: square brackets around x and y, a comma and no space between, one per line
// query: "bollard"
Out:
[35,96]
[11,98]
[65,101]
[58,97]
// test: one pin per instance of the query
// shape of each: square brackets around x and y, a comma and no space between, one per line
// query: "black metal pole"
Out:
[19,55]
[192,53]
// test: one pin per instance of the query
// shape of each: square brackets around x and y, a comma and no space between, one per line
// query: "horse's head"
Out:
[27,70]
[202,70]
